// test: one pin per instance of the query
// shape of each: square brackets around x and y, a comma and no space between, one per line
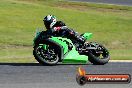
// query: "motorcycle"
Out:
[49,50]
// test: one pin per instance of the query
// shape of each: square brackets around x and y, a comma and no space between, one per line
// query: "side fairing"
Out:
[63,42]
[70,56]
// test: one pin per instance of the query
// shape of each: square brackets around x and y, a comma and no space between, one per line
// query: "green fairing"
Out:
[87,36]
[71,56]
[61,41]
[74,57]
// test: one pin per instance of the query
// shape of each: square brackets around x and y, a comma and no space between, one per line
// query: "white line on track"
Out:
[120,61]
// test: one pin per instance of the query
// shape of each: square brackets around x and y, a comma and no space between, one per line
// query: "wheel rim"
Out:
[49,55]
[101,52]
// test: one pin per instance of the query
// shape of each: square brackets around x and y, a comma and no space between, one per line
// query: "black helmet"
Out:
[49,21]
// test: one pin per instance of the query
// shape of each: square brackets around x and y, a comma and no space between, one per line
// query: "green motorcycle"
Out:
[49,50]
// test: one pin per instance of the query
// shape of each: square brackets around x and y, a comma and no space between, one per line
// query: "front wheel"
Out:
[46,56]
[99,55]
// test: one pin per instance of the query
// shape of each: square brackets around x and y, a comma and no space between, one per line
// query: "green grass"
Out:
[16,54]
[110,24]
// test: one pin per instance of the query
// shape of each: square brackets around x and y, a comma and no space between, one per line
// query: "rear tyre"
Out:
[99,56]
[46,57]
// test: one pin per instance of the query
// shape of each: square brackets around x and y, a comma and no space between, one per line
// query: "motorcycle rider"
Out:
[59,28]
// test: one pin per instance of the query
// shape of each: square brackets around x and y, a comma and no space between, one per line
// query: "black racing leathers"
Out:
[60,29]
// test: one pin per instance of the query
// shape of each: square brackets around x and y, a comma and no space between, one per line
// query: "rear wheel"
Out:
[46,56]
[98,56]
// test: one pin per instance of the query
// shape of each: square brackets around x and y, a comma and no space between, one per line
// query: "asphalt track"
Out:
[33,75]
[119,2]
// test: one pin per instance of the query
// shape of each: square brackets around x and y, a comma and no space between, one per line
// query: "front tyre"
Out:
[98,56]
[46,57]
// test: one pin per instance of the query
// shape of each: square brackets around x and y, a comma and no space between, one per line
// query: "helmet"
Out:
[49,21]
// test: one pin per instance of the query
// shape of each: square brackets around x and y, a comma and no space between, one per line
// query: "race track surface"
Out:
[33,75]
[119,2]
